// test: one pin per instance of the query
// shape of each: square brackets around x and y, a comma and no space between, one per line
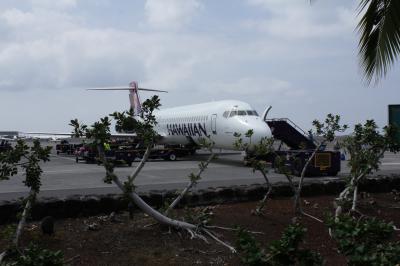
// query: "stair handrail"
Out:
[295,126]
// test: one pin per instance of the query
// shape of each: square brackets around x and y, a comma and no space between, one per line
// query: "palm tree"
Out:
[379,44]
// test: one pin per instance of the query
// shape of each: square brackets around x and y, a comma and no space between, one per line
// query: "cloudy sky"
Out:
[297,57]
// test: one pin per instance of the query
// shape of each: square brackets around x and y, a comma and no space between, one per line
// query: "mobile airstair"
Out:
[288,132]
[301,146]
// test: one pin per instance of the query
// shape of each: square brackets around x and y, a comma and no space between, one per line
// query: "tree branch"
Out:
[190,184]
[297,204]
[22,221]
[353,206]
[261,204]
[140,165]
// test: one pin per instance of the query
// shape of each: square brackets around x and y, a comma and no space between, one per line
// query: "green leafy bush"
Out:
[34,255]
[250,251]
[284,251]
[8,232]
[365,241]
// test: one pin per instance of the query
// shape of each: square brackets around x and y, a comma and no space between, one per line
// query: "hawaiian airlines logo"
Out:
[189,129]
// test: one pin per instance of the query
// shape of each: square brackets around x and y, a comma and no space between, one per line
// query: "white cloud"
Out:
[170,14]
[36,24]
[268,89]
[247,85]
[15,17]
[300,20]
[54,4]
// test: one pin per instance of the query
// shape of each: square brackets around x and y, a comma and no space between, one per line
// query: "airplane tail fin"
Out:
[134,99]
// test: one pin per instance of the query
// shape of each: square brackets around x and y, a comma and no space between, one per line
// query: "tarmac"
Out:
[63,177]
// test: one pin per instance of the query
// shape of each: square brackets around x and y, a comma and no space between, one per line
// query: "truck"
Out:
[4,146]
[127,153]
[66,148]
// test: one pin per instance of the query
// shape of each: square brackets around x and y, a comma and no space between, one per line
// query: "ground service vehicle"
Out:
[4,146]
[127,153]
[168,152]
[66,148]
[300,148]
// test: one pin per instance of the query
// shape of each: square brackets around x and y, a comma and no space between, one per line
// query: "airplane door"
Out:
[214,123]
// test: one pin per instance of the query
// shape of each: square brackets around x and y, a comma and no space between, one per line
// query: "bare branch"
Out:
[232,249]
[22,221]
[311,216]
[140,165]
[230,229]
[190,184]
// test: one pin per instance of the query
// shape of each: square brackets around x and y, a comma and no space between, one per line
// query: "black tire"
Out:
[332,173]
[172,156]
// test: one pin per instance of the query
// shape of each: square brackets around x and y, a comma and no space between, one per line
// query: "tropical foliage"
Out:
[379,30]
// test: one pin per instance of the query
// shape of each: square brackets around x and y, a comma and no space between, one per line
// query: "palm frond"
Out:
[379,44]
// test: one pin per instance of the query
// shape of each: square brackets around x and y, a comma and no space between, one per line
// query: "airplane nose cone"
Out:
[261,130]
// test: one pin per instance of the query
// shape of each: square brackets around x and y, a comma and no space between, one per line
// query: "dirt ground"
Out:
[129,242]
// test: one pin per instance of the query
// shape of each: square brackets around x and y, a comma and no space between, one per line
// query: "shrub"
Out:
[365,241]
[284,251]
[250,251]
[34,255]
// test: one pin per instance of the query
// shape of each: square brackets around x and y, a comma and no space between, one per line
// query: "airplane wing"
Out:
[47,133]
[56,135]
[122,135]
[44,135]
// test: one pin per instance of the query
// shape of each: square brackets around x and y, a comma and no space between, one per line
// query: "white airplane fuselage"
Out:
[217,121]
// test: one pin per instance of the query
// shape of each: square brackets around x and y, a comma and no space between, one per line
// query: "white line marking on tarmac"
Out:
[390,163]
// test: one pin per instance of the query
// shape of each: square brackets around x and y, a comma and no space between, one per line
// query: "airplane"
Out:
[217,120]
[7,138]
[53,137]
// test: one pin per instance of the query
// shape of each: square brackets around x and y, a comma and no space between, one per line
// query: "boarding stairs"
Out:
[288,132]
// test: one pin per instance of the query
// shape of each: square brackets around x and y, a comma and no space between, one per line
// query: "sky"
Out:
[298,57]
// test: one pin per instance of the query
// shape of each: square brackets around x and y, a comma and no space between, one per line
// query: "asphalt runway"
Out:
[63,177]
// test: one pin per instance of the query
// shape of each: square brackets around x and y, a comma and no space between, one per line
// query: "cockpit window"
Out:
[240,113]
[252,112]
